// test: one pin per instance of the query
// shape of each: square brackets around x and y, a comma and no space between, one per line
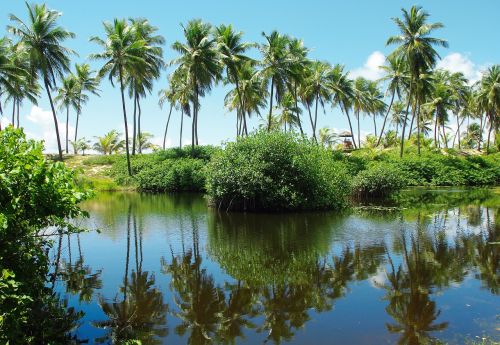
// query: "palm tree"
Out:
[232,52]
[87,82]
[20,84]
[253,94]
[200,59]
[144,141]
[124,55]
[68,97]
[48,58]
[289,112]
[318,83]
[375,104]
[109,143]
[360,101]
[297,71]
[327,137]
[141,80]
[399,115]
[276,65]
[416,47]
[82,145]
[396,75]
[440,101]
[7,70]
[489,99]
[341,92]
[167,95]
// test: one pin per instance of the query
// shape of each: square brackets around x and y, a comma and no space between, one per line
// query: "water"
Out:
[165,269]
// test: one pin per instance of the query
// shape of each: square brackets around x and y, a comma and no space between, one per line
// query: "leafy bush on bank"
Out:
[172,170]
[378,180]
[276,171]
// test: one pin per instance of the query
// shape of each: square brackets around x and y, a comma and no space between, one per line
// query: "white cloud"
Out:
[45,124]
[371,69]
[457,62]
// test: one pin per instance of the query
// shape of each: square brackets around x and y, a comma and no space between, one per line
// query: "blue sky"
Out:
[352,33]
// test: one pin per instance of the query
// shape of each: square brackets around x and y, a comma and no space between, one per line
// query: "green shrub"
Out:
[276,171]
[199,152]
[378,180]
[173,175]
[35,194]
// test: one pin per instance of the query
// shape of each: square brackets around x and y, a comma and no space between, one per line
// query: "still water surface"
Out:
[165,269]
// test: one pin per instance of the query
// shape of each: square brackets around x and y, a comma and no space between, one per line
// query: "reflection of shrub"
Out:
[378,180]
[184,174]
[276,171]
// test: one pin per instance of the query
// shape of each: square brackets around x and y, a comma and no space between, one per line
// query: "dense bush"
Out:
[276,171]
[35,194]
[155,172]
[380,179]
[184,174]
[199,152]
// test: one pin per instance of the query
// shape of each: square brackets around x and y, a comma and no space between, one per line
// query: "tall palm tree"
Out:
[288,116]
[48,58]
[341,92]
[7,69]
[21,85]
[396,75]
[441,102]
[376,105]
[141,80]
[276,65]
[88,82]
[297,72]
[360,101]
[123,53]
[398,115]
[489,99]
[253,94]
[167,95]
[232,51]
[200,59]
[461,94]
[416,47]
[318,83]
[69,97]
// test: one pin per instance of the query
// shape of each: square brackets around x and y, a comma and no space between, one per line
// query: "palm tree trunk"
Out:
[134,134]
[182,120]
[245,124]
[480,132]
[316,114]
[166,127]
[385,118]
[125,123]
[18,103]
[297,108]
[242,108]
[312,123]
[13,112]
[350,127]
[76,127]
[435,130]
[489,134]
[270,106]
[412,119]
[418,128]
[405,120]
[445,139]
[359,130]
[375,124]
[192,126]
[47,88]
[139,148]
[67,127]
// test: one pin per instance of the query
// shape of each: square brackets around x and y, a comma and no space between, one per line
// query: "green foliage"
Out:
[102,160]
[380,179]
[165,171]
[276,171]
[199,152]
[173,175]
[34,194]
